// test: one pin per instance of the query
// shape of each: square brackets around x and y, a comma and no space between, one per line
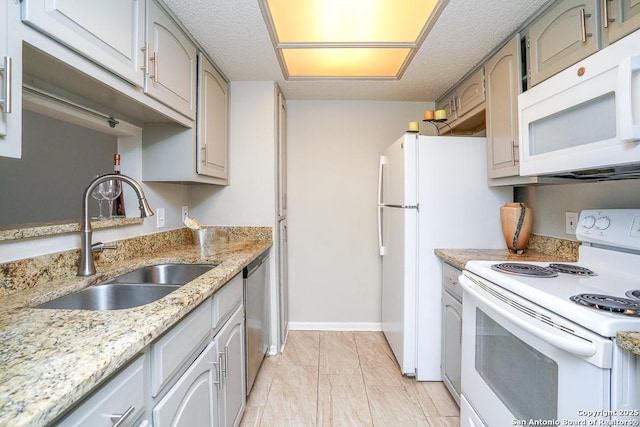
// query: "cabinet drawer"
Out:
[450,280]
[226,299]
[124,393]
[170,352]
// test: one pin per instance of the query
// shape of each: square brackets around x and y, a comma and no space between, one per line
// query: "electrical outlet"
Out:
[160,217]
[185,212]
[571,222]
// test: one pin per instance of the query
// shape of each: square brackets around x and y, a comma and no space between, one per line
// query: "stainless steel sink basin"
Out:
[111,297]
[164,274]
[138,287]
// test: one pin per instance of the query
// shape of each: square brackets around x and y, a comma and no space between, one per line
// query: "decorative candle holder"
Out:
[433,122]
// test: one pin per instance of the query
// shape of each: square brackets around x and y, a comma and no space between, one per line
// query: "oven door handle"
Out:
[577,346]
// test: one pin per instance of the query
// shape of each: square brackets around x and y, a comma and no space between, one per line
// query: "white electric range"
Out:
[539,338]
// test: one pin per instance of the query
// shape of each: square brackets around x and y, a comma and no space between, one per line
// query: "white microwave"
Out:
[584,122]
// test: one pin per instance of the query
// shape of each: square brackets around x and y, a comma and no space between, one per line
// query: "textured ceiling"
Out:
[234,35]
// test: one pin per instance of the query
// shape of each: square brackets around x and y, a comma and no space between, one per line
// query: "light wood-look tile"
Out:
[343,379]
[342,401]
[395,406]
[435,399]
[338,353]
[301,349]
[293,397]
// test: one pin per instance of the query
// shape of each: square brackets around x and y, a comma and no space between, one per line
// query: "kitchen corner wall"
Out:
[333,151]
[550,202]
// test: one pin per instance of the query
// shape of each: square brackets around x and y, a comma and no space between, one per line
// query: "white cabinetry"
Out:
[171,59]
[229,343]
[210,391]
[192,401]
[502,73]
[110,33]
[465,104]
[10,82]
[121,399]
[451,330]
[212,123]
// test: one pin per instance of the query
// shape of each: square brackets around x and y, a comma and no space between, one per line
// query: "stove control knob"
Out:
[603,223]
[588,221]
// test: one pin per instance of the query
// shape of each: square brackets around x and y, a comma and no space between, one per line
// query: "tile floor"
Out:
[343,379]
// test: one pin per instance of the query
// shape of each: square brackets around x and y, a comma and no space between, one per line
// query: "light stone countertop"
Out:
[459,257]
[50,359]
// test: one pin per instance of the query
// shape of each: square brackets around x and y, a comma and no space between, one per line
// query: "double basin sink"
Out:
[133,289]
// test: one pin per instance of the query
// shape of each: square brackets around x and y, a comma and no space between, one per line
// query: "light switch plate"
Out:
[571,222]
[160,217]
[185,212]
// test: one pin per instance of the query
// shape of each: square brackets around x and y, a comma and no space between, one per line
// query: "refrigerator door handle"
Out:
[380,243]
[383,161]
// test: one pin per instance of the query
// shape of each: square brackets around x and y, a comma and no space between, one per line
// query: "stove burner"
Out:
[574,270]
[608,303]
[520,269]
[634,294]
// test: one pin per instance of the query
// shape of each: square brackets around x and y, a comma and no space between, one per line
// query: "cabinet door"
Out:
[10,82]
[470,93]
[448,104]
[502,74]
[191,402]
[212,139]
[563,35]
[622,17]
[451,343]
[230,345]
[171,76]
[109,32]
[121,399]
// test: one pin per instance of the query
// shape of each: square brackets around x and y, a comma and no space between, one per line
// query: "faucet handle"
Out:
[99,247]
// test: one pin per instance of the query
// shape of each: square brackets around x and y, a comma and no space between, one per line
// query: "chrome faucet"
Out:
[87,265]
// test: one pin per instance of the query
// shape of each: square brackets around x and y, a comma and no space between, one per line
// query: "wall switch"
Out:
[160,217]
[185,213]
[571,222]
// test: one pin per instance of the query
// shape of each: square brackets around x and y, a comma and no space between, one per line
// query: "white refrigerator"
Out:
[432,193]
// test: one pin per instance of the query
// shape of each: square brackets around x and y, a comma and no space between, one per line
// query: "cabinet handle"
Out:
[8,68]
[605,13]
[514,147]
[154,59]
[583,26]
[226,358]
[119,419]
[218,365]
[145,66]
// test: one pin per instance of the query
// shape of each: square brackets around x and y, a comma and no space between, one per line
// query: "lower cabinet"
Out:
[451,330]
[192,401]
[192,376]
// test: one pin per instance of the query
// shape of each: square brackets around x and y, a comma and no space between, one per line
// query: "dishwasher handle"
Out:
[255,264]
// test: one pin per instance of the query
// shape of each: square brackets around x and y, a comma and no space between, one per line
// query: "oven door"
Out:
[521,362]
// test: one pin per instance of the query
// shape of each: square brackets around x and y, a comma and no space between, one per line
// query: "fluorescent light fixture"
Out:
[348,39]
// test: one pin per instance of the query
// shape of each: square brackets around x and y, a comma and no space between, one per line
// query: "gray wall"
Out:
[58,161]
[550,202]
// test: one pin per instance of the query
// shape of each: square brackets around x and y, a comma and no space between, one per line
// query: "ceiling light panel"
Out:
[348,38]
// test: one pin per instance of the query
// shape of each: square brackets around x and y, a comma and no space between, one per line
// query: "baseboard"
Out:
[335,326]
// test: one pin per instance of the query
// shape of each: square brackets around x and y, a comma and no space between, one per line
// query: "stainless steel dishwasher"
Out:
[256,305]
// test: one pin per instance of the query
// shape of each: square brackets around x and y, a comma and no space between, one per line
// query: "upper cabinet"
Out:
[109,33]
[170,62]
[563,35]
[10,84]
[212,137]
[502,74]
[619,18]
[465,104]
[571,30]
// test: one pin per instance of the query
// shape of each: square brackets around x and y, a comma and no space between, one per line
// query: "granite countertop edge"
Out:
[628,340]
[50,359]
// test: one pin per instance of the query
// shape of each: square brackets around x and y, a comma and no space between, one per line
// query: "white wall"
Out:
[550,202]
[250,199]
[333,150]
